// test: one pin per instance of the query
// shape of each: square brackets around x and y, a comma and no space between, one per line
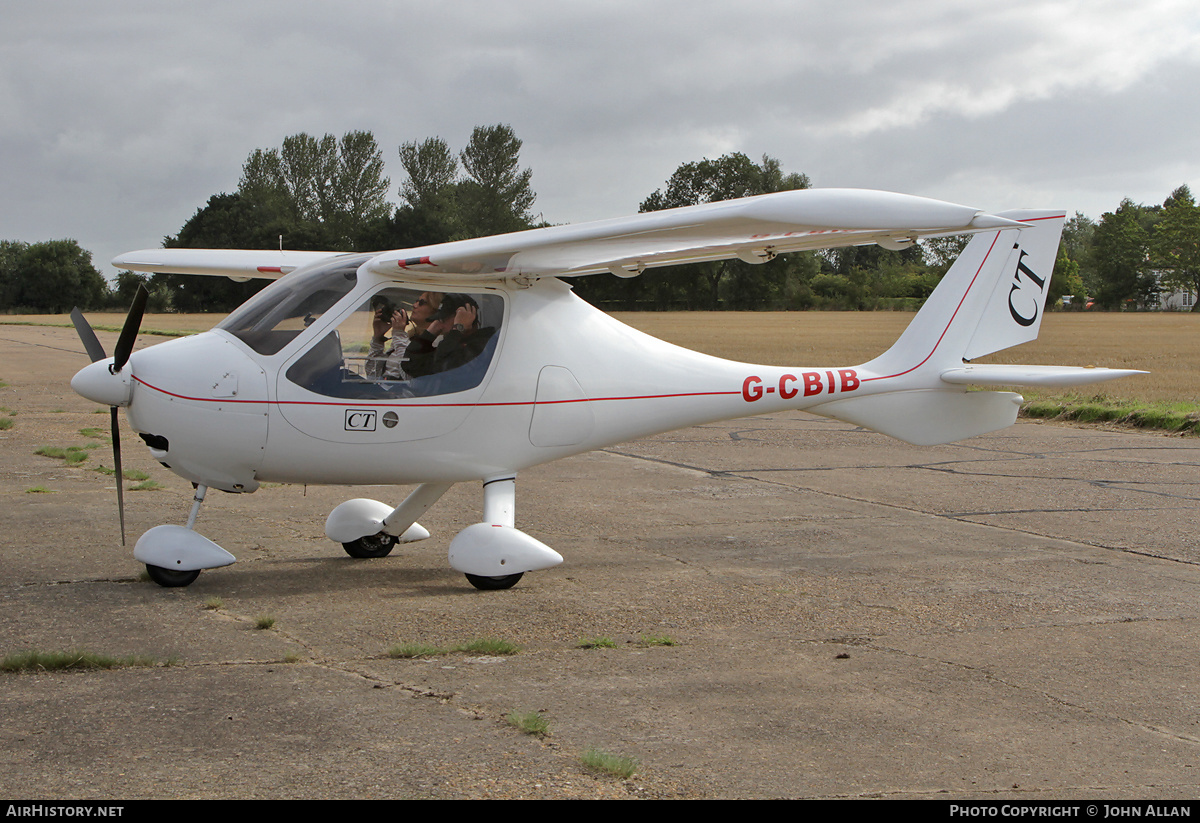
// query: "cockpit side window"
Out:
[402,342]
[277,314]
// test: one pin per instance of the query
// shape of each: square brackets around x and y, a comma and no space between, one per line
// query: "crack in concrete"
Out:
[995,678]
[749,475]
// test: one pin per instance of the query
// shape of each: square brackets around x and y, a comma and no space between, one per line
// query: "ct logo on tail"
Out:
[1031,303]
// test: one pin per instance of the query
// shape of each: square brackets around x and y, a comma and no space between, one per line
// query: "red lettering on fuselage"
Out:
[784,391]
[752,389]
[814,383]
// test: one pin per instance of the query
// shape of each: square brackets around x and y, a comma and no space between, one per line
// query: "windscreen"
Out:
[277,314]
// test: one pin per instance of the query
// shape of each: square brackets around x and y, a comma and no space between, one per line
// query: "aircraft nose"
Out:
[97,383]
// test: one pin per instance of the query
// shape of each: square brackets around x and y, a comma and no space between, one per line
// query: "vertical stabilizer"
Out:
[992,298]
[1014,312]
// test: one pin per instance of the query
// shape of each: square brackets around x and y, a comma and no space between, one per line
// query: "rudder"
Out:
[992,298]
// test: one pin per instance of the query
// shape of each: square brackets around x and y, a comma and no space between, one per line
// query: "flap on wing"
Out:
[751,228]
[233,263]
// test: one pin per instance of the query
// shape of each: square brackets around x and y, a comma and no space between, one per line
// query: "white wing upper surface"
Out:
[240,264]
[752,228]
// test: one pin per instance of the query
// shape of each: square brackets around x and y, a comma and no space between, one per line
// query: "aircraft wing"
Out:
[238,264]
[754,229]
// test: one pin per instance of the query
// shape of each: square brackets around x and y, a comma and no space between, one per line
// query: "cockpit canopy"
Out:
[369,357]
[279,313]
[366,356]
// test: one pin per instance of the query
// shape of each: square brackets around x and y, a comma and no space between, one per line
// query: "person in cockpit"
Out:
[409,335]
[456,322]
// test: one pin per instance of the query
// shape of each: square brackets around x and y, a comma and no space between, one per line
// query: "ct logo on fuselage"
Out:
[1021,294]
[360,420]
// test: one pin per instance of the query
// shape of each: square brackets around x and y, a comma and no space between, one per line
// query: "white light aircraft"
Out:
[296,387]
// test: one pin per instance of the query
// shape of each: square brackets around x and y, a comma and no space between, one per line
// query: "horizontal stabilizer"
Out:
[998,375]
[927,417]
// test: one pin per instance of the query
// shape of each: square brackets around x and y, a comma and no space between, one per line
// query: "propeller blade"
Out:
[87,335]
[129,331]
[116,439]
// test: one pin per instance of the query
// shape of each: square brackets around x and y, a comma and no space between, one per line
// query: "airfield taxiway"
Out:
[1012,616]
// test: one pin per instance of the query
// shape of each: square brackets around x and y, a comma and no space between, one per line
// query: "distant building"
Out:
[1174,300]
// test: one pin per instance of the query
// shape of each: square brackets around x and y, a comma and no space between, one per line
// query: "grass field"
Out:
[1165,344]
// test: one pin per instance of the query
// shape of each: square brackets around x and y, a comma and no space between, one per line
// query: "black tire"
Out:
[373,545]
[170,578]
[492,584]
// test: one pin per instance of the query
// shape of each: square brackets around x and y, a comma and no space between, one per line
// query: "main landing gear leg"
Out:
[495,554]
[499,509]
[369,528]
[175,555]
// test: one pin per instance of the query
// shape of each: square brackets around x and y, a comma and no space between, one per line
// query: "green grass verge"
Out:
[484,645]
[595,643]
[532,723]
[408,651]
[657,640]
[71,454]
[1183,418]
[614,764]
[33,660]
[136,475]
[489,646]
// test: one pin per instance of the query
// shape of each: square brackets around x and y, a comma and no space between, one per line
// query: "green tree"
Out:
[1077,236]
[432,171]
[941,252]
[729,283]
[430,190]
[489,194]
[1175,245]
[10,281]
[230,221]
[1065,281]
[495,196]
[325,186]
[726,178]
[1120,251]
[360,187]
[53,276]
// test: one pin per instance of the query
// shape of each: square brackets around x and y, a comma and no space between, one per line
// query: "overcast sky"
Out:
[118,120]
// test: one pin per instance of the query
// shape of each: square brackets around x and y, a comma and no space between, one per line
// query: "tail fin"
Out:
[992,298]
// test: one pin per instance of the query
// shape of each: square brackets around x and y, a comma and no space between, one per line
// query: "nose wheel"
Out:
[170,578]
[492,584]
[175,555]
